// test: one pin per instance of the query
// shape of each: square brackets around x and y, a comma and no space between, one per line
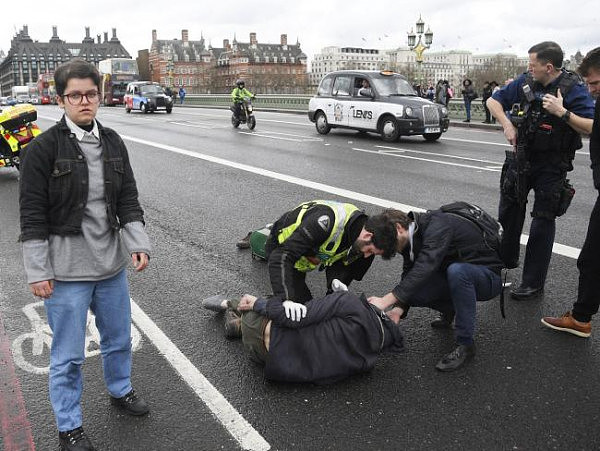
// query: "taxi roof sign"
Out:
[387,72]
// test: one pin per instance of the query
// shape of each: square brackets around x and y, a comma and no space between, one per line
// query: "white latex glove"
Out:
[336,285]
[294,310]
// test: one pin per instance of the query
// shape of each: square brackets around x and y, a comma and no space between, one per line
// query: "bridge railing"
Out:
[299,103]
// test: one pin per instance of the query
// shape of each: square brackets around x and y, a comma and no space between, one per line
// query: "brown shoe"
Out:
[567,323]
[233,324]
[244,243]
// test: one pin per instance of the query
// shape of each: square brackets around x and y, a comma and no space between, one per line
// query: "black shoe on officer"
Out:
[524,293]
[131,404]
[74,440]
[443,321]
[456,359]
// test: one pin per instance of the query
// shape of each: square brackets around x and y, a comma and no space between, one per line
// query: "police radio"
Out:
[529,95]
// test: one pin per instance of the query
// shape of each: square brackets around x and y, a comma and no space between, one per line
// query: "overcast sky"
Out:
[510,26]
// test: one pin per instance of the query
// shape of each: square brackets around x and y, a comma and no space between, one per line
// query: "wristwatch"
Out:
[565,117]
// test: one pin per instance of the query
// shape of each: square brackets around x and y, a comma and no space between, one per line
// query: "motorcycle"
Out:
[17,129]
[246,114]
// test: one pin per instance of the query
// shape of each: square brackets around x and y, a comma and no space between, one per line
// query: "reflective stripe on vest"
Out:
[327,253]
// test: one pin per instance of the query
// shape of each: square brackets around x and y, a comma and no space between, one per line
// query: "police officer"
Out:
[549,107]
[318,234]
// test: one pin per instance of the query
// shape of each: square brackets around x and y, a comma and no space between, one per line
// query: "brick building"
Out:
[266,68]
[27,59]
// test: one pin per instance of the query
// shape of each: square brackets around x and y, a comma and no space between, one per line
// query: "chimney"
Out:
[184,36]
[253,40]
[226,44]
[114,33]
[153,35]
[105,36]
[87,32]
[284,39]
[54,31]
[26,29]
[99,39]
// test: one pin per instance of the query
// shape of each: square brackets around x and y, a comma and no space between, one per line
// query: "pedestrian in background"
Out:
[449,92]
[181,95]
[486,93]
[441,93]
[469,95]
[578,320]
[555,111]
[430,93]
[80,217]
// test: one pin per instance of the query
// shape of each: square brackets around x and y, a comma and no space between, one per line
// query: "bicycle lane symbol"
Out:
[32,349]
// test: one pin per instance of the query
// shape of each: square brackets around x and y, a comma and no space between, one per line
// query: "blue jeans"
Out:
[67,315]
[468,109]
[458,289]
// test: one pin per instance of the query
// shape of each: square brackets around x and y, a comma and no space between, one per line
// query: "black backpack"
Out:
[490,227]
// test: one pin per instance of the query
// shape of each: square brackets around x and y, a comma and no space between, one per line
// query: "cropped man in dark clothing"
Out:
[448,267]
[578,321]
[341,335]
[550,108]
[318,234]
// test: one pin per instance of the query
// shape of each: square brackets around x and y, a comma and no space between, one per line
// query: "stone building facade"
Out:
[27,59]
[200,68]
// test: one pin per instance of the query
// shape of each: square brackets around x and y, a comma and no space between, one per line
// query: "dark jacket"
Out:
[341,335]
[305,242]
[439,240]
[54,177]
[595,147]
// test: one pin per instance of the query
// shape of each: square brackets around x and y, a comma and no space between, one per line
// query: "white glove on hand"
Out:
[336,285]
[294,310]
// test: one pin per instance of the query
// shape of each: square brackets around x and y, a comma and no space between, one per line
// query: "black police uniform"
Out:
[549,146]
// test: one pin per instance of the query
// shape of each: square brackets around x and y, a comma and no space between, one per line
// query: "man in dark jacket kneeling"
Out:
[448,266]
[336,336]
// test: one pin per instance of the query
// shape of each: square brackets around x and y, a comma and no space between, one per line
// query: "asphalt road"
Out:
[204,185]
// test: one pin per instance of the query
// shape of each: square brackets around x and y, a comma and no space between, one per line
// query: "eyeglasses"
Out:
[76,98]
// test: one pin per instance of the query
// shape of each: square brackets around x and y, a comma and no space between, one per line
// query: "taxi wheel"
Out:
[389,129]
[430,137]
[321,123]
[127,109]
[143,108]
[169,110]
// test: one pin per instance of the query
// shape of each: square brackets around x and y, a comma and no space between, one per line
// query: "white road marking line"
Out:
[560,249]
[281,138]
[448,163]
[422,152]
[508,146]
[238,427]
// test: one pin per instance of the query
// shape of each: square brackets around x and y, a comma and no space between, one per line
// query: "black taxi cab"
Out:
[146,96]
[382,102]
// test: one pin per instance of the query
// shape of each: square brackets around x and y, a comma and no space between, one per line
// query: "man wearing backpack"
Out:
[450,263]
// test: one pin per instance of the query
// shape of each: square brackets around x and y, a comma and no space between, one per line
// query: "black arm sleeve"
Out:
[436,243]
[304,241]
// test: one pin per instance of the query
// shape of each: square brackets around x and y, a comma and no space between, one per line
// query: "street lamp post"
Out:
[170,72]
[418,46]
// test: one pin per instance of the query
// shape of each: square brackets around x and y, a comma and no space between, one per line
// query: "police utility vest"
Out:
[327,254]
[546,132]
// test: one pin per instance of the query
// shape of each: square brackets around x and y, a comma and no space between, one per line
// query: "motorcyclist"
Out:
[238,94]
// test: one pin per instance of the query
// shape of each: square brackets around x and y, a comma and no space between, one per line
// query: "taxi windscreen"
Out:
[393,86]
